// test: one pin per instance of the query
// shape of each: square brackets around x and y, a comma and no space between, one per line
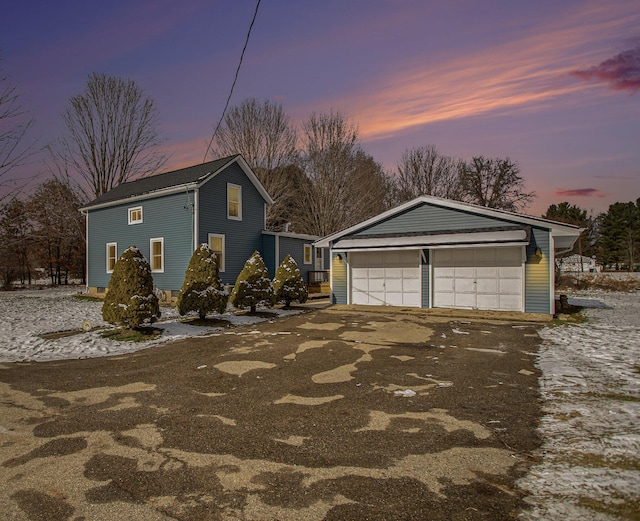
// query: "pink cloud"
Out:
[580,192]
[622,72]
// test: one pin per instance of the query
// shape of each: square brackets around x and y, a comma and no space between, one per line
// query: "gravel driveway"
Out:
[333,414]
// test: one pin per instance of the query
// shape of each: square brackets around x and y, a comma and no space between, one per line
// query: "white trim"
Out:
[141,197]
[221,265]
[292,235]
[552,275]
[239,202]
[151,243]
[115,257]
[449,240]
[130,211]
[86,250]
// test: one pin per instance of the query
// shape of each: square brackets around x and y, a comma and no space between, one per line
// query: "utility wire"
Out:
[246,42]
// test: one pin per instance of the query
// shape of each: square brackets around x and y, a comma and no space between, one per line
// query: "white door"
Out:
[386,278]
[478,278]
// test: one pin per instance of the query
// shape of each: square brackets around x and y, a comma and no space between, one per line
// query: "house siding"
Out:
[295,248]
[242,237]
[428,218]
[538,281]
[168,216]
[269,252]
[338,279]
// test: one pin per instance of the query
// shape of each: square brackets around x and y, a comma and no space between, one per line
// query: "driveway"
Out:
[334,414]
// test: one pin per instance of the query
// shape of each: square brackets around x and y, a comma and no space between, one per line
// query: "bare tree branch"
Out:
[111,136]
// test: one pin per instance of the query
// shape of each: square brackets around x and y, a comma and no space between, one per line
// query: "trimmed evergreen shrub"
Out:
[130,300]
[253,285]
[202,289]
[288,284]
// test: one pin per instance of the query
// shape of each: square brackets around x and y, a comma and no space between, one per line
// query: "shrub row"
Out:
[131,301]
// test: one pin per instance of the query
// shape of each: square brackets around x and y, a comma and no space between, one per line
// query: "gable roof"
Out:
[567,233]
[177,180]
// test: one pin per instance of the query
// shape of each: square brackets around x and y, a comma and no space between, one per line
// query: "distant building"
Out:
[580,264]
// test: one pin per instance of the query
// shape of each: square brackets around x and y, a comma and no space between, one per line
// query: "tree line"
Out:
[320,176]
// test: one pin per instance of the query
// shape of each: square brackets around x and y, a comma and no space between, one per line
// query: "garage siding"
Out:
[538,274]
[426,218]
[338,279]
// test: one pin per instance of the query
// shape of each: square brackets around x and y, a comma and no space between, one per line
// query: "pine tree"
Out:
[253,285]
[130,300]
[202,289]
[288,284]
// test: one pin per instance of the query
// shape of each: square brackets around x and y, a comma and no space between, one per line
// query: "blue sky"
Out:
[553,85]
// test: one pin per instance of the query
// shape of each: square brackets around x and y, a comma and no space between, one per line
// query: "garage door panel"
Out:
[487,286]
[386,278]
[488,301]
[483,278]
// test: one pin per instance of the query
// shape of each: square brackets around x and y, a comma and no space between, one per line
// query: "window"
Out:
[216,243]
[157,254]
[112,255]
[234,202]
[135,215]
[307,254]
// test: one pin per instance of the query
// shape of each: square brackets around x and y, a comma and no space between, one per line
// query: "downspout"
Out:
[194,216]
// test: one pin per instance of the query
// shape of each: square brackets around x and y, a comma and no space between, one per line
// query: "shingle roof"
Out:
[189,175]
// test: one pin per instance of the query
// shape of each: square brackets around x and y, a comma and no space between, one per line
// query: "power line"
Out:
[246,42]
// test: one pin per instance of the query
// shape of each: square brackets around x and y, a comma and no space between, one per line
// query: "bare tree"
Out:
[424,171]
[14,125]
[495,183]
[344,185]
[111,135]
[264,135]
[58,233]
[15,243]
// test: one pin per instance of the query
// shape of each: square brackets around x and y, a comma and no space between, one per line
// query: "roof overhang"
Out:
[515,237]
[156,193]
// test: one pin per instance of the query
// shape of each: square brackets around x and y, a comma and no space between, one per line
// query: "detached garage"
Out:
[438,253]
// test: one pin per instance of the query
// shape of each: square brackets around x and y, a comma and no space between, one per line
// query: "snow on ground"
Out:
[590,457]
[27,314]
[590,467]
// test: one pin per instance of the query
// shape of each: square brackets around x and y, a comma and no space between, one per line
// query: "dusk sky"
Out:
[552,84]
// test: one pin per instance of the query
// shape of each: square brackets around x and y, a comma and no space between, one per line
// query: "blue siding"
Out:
[427,218]
[243,237]
[338,279]
[269,252]
[295,248]
[169,217]
[538,281]
[425,268]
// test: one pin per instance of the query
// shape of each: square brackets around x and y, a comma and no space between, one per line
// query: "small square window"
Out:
[216,243]
[307,254]
[234,202]
[112,256]
[157,254]
[135,215]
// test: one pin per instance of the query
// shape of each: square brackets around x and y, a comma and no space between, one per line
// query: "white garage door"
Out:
[385,278]
[478,278]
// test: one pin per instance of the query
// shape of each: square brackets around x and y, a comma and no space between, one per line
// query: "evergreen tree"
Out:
[202,290]
[288,284]
[253,285]
[130,300]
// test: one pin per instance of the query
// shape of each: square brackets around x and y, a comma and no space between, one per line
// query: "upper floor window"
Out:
[112,255]
[234,202]
[157,254]
[135,215]
[307,253]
